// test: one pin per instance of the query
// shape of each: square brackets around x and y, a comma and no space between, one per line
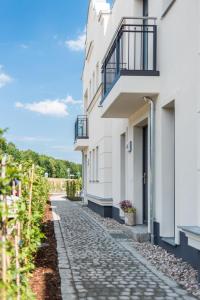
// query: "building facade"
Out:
[140,132]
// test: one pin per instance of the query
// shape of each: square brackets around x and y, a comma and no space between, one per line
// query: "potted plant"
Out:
[129,212]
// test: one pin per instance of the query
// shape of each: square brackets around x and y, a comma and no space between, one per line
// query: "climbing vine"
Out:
[23,195]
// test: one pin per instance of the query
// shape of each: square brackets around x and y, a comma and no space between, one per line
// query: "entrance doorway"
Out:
[145,174]
[123,166]
[84,178]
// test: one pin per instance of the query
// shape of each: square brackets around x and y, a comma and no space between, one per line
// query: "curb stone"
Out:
[68,290]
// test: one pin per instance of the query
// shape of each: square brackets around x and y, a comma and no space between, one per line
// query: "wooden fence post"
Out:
[4,230]
[17,239]
[30,197]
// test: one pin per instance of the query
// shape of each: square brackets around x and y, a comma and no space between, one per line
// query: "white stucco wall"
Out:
[177,47]
[99,129]
[179,66]
[198,113]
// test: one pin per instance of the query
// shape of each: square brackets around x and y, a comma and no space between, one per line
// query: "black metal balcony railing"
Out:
[133,51]
[81,128]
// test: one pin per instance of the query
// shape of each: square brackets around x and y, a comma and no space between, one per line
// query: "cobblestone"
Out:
[175,268]
[96,266]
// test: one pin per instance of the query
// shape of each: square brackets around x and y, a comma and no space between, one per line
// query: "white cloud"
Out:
[47,107]
[78,44]
[63,148]
[70,100]
[19,105]
[24,46]
[31,139]
[56,108]
[4,78]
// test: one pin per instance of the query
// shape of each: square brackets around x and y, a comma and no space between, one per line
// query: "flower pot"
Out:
[130,219]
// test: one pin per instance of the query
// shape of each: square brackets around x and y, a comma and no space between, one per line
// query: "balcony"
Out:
[129,70]
[81,133]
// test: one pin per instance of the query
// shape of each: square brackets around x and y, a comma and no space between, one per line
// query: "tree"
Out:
[12,150]
[55,168]
[3,143]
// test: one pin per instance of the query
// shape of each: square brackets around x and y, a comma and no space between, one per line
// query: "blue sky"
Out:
[41,61]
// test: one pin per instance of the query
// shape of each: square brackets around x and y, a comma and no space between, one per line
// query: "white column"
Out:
[84,177]
[198,116]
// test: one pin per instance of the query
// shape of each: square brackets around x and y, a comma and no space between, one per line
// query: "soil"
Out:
[45,281]
[74,198]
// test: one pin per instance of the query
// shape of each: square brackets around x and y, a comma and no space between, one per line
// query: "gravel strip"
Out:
[108,223]
[175,268]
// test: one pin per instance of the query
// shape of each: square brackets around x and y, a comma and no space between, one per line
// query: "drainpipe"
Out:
[151,164]
[83,178]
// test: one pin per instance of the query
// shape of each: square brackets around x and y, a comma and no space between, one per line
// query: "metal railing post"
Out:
[155,48]
[117,56]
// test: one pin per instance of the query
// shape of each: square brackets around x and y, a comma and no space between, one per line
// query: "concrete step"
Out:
[169,240]
[138,233]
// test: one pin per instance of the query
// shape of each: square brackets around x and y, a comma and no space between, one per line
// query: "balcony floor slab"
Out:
[127,95]
[81,144]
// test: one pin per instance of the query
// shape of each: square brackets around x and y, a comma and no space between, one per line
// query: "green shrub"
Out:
[73,189]
[30,225]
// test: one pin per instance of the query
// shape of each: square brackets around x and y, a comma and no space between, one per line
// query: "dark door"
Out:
[145,174]
[145,8]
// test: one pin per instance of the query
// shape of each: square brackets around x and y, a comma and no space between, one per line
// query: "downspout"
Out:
[83,179]
[151,164]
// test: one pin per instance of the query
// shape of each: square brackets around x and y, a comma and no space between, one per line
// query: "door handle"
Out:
[144,178]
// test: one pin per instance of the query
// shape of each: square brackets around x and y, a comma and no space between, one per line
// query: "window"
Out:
[167,4]
[97,75]
[93,165]
[90,90]
[86,101]
[90,166]
[93,84]
[97,163]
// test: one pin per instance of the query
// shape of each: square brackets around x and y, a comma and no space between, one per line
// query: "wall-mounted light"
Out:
[129,146]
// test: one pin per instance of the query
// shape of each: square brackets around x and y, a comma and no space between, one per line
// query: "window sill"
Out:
[94,181]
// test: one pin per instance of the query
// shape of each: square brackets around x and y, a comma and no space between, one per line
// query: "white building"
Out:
[140,136]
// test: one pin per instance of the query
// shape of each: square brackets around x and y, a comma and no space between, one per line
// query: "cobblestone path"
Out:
[93,265]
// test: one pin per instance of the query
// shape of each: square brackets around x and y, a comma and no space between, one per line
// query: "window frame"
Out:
[97,164]
[90,166]
[97,75]
[93,165]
